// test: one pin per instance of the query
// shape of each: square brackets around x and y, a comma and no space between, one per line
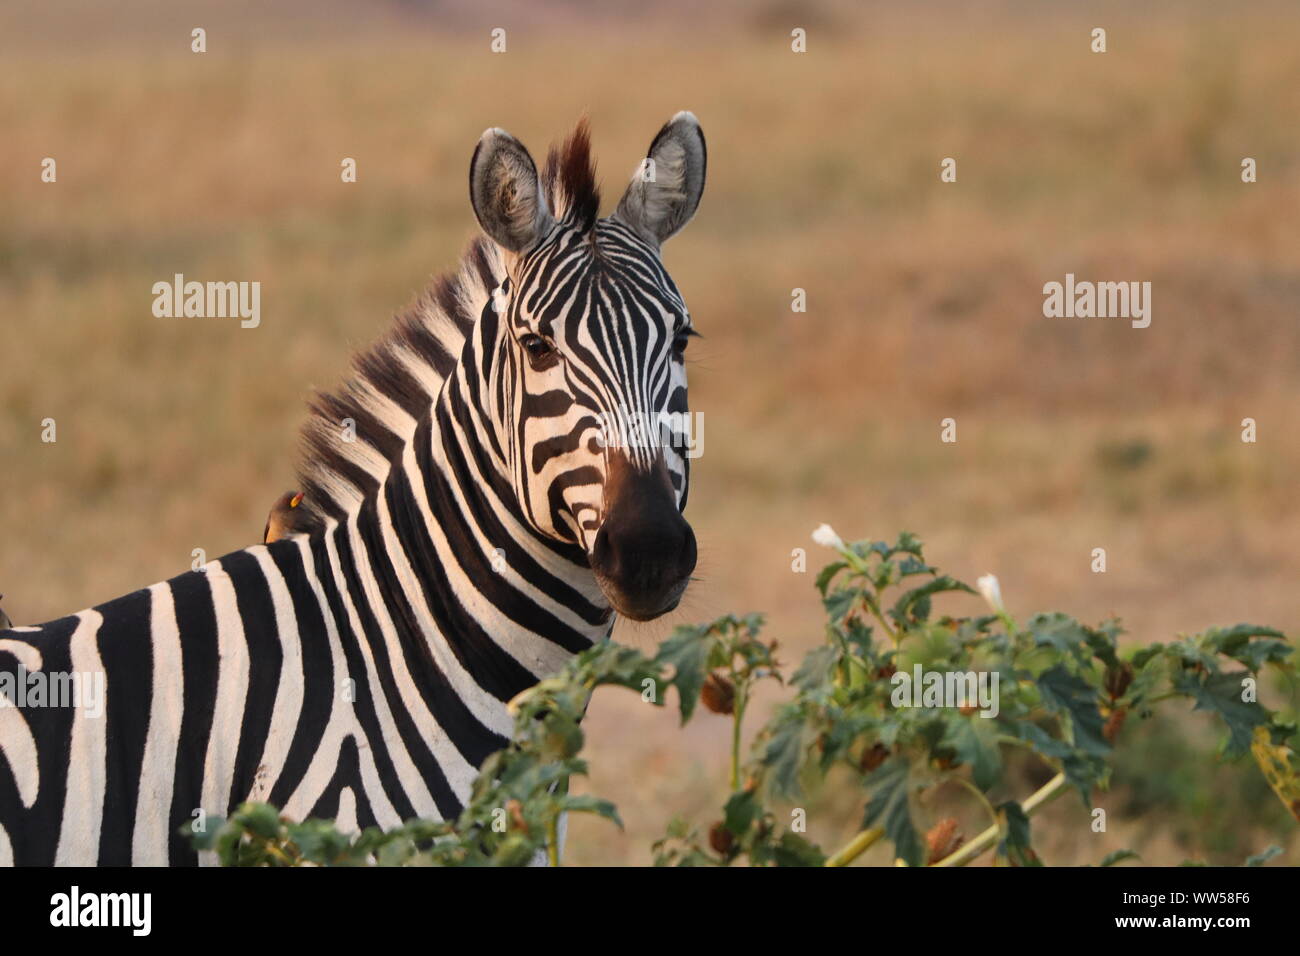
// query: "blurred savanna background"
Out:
[924,302]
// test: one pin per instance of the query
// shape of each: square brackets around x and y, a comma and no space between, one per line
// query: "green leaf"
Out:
[1065,694]
[740,812]
[1149,673]
[933,646]
[890,806]
[1264,651]
[784,753]
[1034,659]
[585,803]
[687,650]
[864,549]
[839,603]
[319,841]
[860,636]
[1061,632]
[1221,694]
[974,739]
[1249,644]
[907,543]
[205,839]
[1229,640]
[910,566]
[394,853]
[1104,641]
[1014,846]
[827,574]
[794,850]
[908,608]
[1195,653]
[260,819]
[817,670]
[1142,656]
[884,575]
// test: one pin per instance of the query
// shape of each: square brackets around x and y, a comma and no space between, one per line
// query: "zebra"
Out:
[465,528]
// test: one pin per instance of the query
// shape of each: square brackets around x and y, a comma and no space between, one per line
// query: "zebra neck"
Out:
[446,556]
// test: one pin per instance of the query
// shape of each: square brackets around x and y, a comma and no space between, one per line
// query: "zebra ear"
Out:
[666,188]
[505,192]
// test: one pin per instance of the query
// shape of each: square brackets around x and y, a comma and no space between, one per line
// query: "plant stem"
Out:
[561,788]
[871,604]
[855,847]
[736,718]
[1043,795]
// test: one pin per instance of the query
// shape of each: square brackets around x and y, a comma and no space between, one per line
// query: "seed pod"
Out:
[721,839]
[943,839]
[718,694]
[873,757]
[886,672]
[967,710]
[1118,679]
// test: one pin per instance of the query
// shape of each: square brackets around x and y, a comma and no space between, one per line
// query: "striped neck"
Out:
[450,558]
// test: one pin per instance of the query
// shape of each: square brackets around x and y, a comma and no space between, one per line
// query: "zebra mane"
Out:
[395,381]
[569,180]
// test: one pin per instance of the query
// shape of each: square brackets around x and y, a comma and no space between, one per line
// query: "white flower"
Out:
[825,536]
[992,591]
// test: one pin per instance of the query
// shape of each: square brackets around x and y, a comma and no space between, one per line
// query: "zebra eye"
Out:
[682,340]
[539,350]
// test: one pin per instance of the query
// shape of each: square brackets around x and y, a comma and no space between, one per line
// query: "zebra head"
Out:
[587,378]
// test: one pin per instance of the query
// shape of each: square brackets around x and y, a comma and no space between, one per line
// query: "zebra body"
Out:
[464,531]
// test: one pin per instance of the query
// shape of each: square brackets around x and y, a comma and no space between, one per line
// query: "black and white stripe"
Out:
[359,669]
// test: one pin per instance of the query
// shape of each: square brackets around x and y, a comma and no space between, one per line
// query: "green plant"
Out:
[906,701]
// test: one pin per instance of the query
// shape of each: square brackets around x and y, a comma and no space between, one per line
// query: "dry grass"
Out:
[924,298]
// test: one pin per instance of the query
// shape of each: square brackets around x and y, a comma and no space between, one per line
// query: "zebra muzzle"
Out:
[644,551]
